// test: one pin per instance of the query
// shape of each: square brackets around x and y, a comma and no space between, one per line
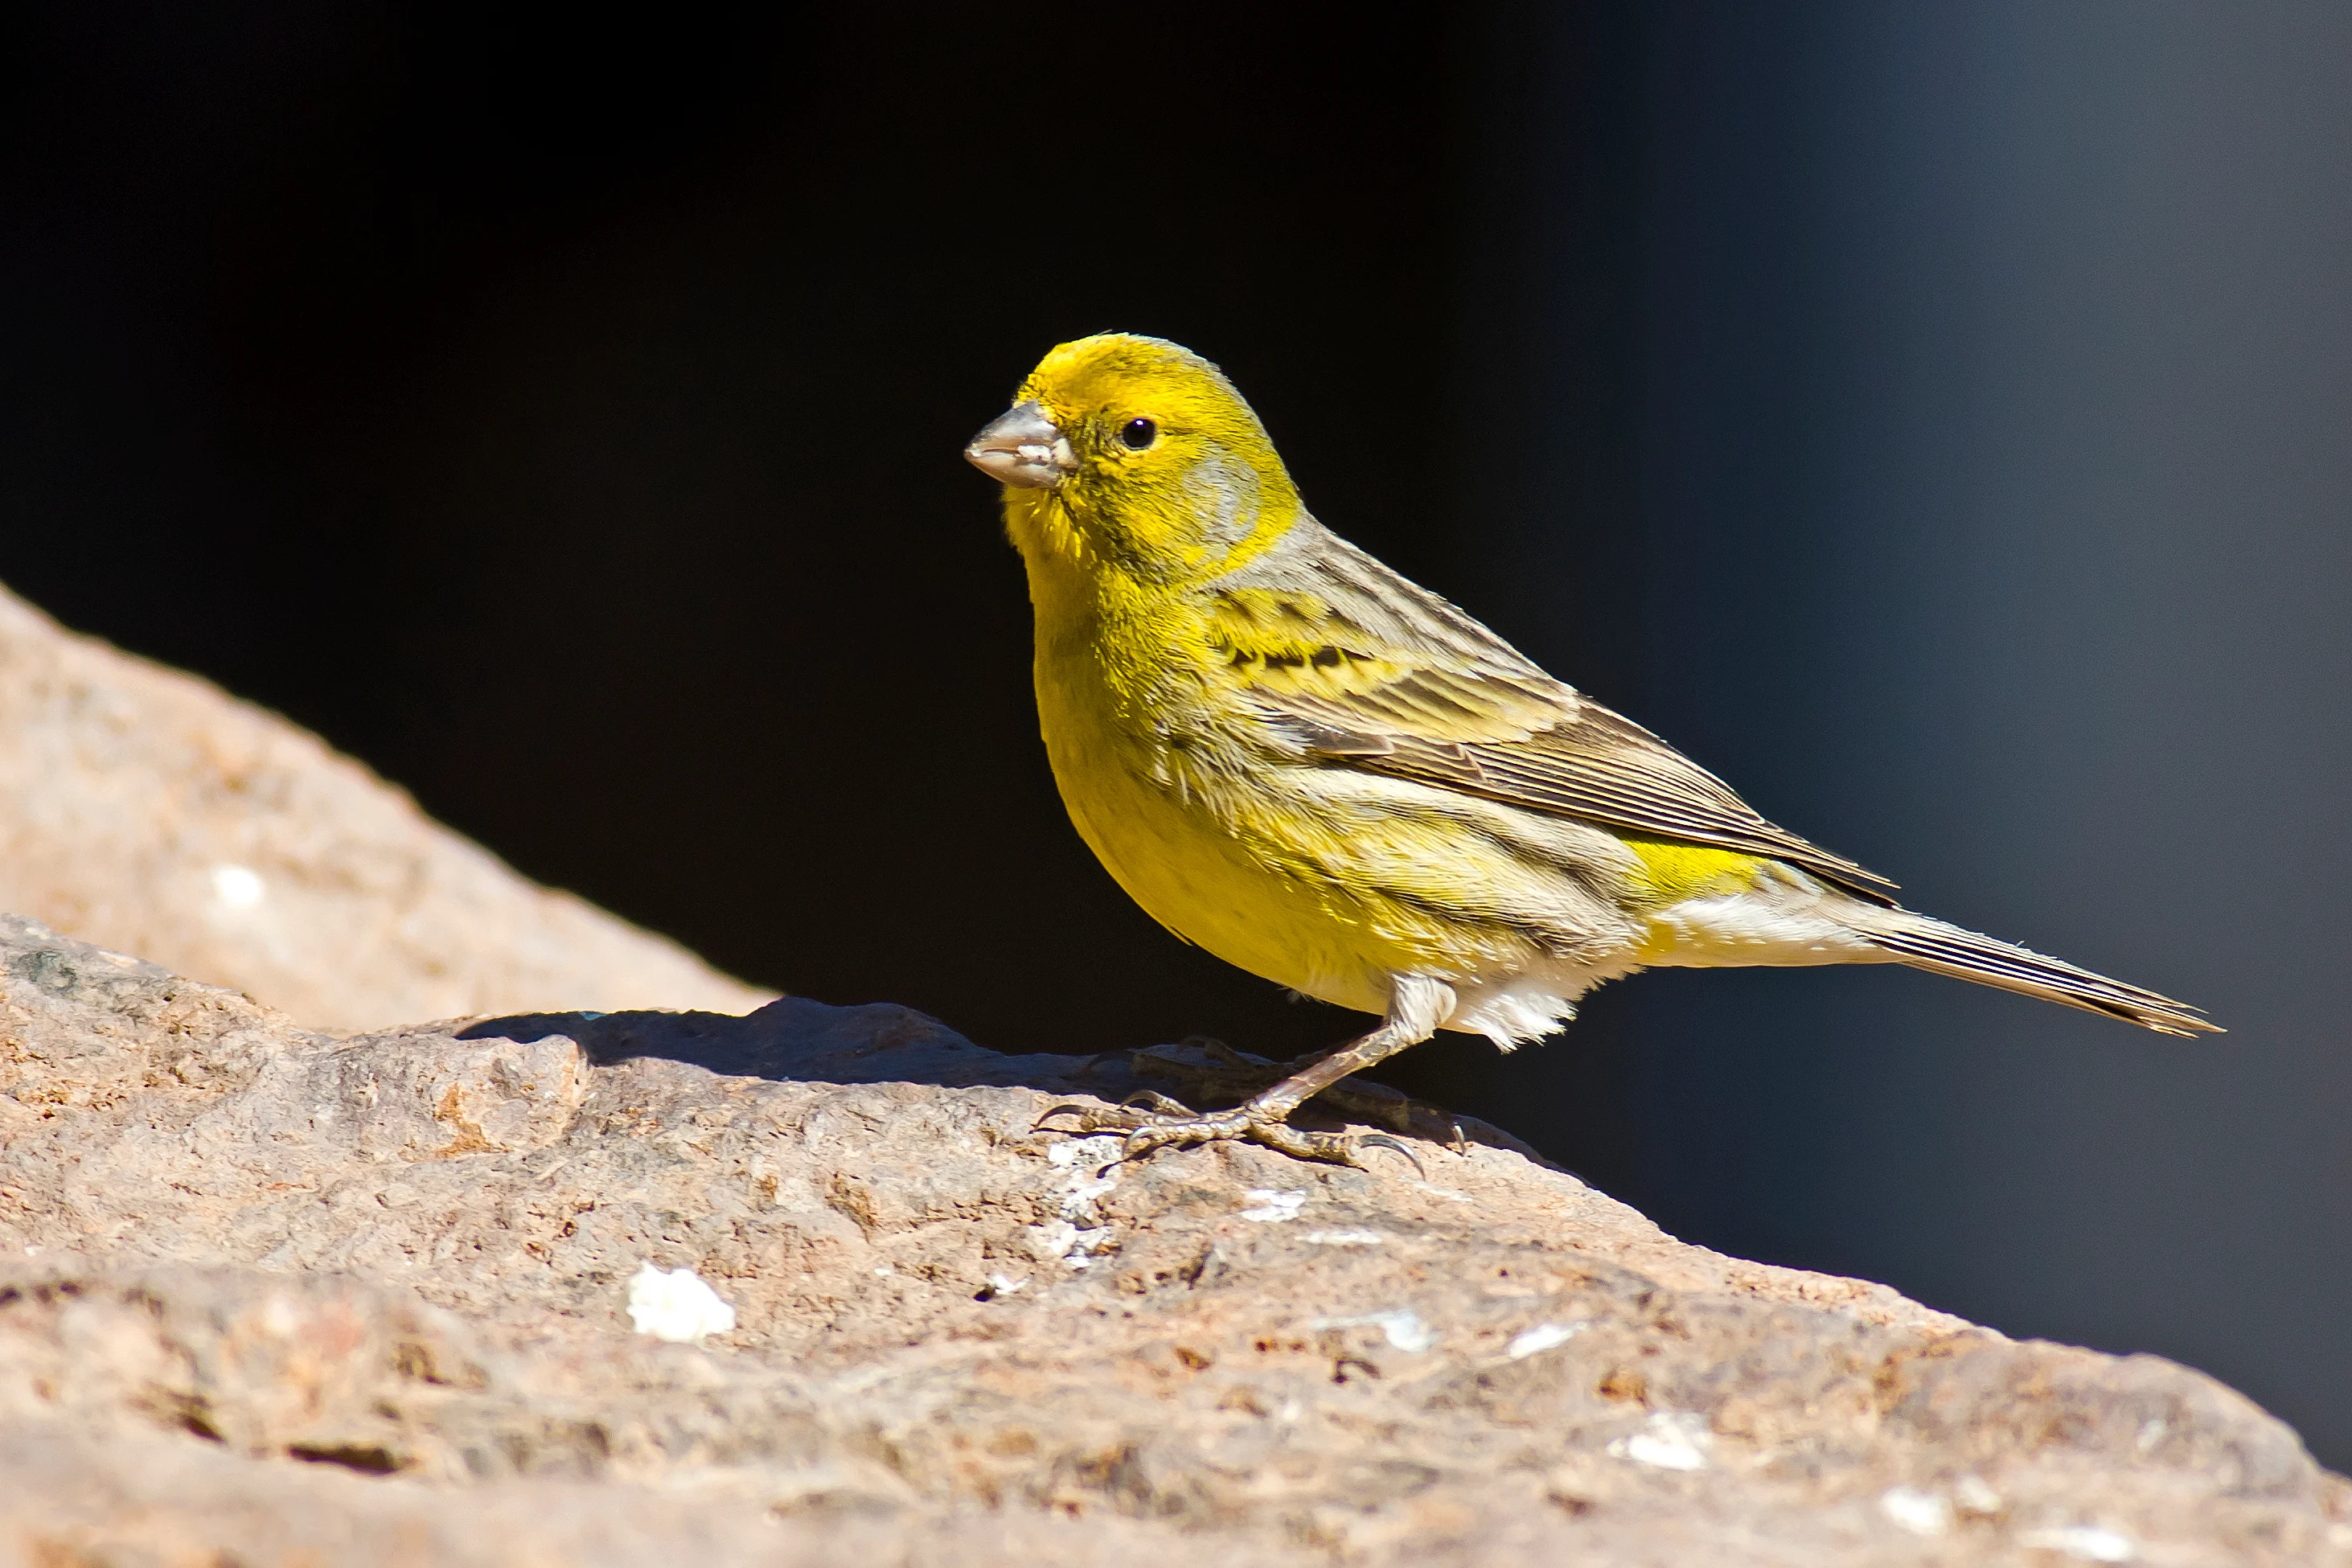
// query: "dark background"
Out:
[1933,418]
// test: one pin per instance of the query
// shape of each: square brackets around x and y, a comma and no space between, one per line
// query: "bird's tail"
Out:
[1940,949]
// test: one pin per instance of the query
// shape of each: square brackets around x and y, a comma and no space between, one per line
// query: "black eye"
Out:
[1139,433]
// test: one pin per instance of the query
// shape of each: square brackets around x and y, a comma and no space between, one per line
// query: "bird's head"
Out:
[1135,454]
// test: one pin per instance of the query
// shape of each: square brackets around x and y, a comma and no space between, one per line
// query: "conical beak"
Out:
[1024,448]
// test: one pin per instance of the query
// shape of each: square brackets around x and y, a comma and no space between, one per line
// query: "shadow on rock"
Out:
[802,1041]
[795,1039]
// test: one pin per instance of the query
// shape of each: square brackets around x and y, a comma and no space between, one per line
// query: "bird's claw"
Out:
[1382,1140]
[1099,1118]
[1087,1116]
[1153,1121]
[1228,1076]
[1240,1124]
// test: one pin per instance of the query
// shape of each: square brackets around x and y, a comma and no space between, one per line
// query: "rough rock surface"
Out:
[144,809]
[273,1296]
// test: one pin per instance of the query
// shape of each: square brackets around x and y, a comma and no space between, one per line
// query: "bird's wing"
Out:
[1365,669]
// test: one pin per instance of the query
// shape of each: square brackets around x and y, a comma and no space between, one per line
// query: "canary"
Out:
[1318,770]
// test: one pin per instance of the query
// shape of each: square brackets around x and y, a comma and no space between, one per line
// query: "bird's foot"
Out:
[1151,1121]
[1229,1075]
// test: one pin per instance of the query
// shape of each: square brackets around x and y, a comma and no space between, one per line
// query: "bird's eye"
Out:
[1139,434]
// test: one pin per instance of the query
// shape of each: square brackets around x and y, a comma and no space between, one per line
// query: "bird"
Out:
[1295,757]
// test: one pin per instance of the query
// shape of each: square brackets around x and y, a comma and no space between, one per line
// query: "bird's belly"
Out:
[1326,881]
[1188,868]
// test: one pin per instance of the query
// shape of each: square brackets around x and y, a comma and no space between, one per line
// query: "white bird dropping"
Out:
[676,1305]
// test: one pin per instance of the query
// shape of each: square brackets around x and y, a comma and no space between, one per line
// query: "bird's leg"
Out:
[1229,1077]
[1417,1005]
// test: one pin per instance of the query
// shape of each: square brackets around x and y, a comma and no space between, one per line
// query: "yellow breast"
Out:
[1176,853]
[1216,858]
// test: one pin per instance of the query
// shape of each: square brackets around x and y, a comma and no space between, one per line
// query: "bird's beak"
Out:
[1023,448]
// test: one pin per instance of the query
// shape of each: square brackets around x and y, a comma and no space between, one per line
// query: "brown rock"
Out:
[148,811]
[272,1296]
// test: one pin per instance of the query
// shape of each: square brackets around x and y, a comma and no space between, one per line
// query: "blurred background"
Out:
[1936,419]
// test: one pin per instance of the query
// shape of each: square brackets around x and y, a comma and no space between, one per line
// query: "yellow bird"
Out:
[1318,770]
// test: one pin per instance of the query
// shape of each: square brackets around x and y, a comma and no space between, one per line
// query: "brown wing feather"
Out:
[1364,669]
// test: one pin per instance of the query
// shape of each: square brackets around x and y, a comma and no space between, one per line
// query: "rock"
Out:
[270,1295]
[148,811]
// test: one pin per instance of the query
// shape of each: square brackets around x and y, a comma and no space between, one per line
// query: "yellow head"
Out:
[1132,455]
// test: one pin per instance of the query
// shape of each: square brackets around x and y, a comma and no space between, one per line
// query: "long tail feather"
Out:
[1940,949]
